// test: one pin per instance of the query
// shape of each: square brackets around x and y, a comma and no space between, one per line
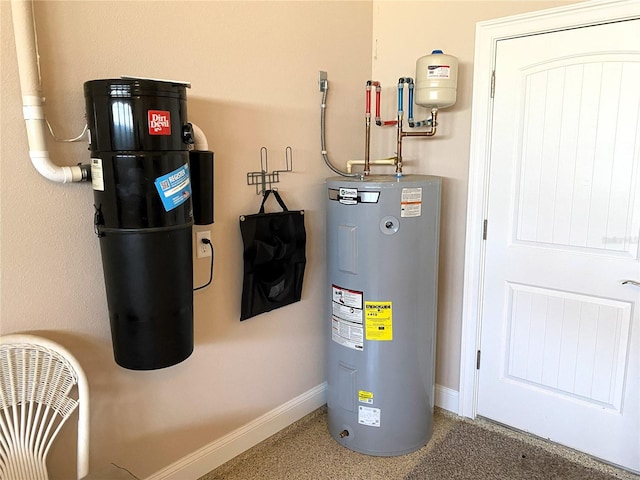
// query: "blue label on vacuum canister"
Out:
[174,188]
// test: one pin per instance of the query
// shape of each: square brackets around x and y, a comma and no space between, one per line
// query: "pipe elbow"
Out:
[199,138]
[42,163]
[351,163]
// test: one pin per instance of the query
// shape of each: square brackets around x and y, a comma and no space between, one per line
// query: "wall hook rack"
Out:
[264,179]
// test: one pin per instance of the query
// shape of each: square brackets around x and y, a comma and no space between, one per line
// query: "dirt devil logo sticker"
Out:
[159,122]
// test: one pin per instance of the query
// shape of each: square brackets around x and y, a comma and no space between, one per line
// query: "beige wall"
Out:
[404,31]
[254,69]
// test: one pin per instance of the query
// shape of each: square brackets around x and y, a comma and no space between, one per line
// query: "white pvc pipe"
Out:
[199,139]
[383,161]
[33,113]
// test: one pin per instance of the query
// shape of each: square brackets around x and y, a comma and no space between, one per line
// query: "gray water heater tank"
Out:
[382,247]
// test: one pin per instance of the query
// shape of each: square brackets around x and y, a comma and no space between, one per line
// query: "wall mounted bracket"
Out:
[264,179]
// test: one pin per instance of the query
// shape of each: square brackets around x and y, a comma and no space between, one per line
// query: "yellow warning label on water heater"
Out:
[379,321]
[365,397]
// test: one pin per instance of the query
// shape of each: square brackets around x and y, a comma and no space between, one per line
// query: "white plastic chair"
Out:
[37,396]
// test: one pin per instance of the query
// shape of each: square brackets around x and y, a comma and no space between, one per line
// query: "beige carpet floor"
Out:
[459,449]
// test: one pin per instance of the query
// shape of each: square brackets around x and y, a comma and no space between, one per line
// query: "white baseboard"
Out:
[224,449]
[447,399]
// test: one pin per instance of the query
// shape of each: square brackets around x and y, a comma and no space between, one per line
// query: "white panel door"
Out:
[560,342]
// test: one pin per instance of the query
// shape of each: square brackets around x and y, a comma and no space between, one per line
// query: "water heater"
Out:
[142,183]
[382,246]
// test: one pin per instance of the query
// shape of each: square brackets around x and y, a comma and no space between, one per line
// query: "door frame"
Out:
[487,35]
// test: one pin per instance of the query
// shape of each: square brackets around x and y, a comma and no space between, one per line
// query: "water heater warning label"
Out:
[347,325]
[379,326]
[369,416]
[365,397]
[411,202]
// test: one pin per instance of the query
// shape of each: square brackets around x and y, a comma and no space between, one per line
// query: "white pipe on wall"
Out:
[33,112]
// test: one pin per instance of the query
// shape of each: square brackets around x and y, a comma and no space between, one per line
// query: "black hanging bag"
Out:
[274,258]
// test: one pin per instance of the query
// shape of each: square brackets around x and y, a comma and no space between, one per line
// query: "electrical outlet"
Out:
[203,250]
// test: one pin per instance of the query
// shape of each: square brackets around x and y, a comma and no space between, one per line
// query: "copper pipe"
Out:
[401,134]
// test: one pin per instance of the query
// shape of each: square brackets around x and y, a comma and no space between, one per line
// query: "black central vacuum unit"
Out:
[143,182]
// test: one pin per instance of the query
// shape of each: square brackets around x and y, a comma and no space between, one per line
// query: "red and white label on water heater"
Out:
[159,122]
